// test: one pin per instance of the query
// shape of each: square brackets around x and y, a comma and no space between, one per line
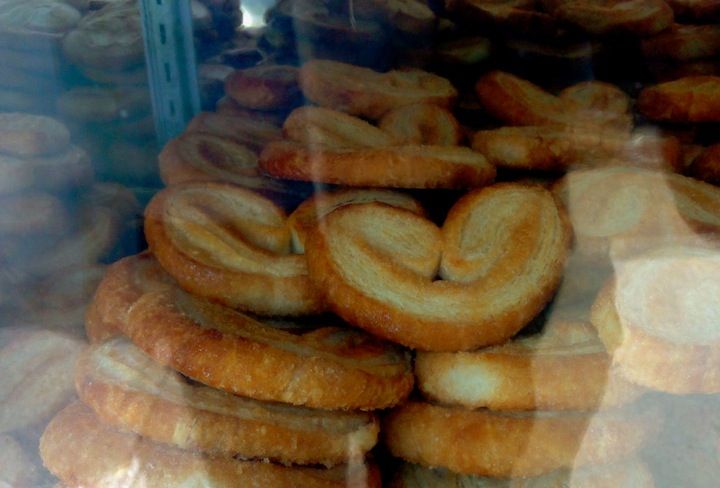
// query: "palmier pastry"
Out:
[564,367]
[325,127]
[305,218]
[628,474]
[130,391]
[109,38]
[80,450]
[634,209]
[597,95]
[123,284]
[264,87]
[691,99]
[367,93]
[487,443]
[37,375]
[391,167]
[30,213]
[327,367]
[520,102]
[637,17]
[706,166]
[684,43]
[229,244]
[228,106]
[252,133]
[32,135]
[422,124]
[556,148]
[495,263]
[658,318]
[198,157]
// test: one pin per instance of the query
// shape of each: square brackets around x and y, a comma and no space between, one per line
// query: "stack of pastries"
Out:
[523,297]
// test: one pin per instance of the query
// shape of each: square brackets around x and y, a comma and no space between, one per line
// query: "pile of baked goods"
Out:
[458,270]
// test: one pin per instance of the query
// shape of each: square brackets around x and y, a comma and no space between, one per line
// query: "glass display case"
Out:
[361,243]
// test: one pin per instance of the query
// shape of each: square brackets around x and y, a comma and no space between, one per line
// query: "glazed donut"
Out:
[658,319]
[304,220]
[264,87]
[513,444]
[327,367]
[324,127]
[706,166]
[684,43]
[690,99]
[231,245]
[631,209]
[370,94]
[520,102]
[252,133]
[32,135]
[499,258]
[422,124]
[626,474]
[125,281]
[196,157]
[635,17]
[131,392]
[390,167]
[564,367]
[556,148]
[37,375]
[80,450]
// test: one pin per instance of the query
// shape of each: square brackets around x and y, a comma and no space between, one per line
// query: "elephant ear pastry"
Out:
[477,281]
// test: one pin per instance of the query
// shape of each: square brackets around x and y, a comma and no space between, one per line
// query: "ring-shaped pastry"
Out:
[80,450]
[326,367]
[493,267]
[130,391]
[513,444]
[635,17]
[422,124]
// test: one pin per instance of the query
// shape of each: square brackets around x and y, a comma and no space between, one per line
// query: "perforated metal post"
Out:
[172,70]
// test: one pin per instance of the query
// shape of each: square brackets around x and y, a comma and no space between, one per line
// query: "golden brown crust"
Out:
[125,281]
[706,166]
[554,148]
[627,474]
[392,167]
[130,391]
[81,451]
[422,124]
[565,367]
[37,375]
[656,207]
[304,219]
[322,368]
[264,87]
[519,102]
[636,17]
[378,266]
[690,99]
[249,132]
[684,43]
[655,322]
[597,95]
[198,157]
[325,127]
[32,135]
[229,244]
[484,443]
[367,93]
